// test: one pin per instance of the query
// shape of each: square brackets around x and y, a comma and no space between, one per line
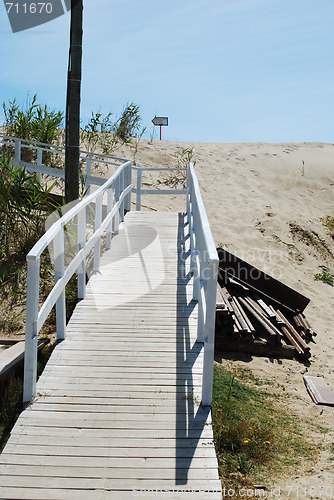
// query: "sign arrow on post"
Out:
[160,121]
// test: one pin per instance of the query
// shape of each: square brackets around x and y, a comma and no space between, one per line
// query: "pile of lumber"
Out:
[253,322]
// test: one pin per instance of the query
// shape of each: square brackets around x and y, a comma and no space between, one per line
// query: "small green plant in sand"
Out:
[100,134]
[328,222]
[331,449]
[128,125]
[325,277]
[312,239]
[254,436]
[183,157]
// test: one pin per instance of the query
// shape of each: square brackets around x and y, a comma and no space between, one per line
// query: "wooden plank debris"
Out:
[11,357]
[319,390]
[251,321]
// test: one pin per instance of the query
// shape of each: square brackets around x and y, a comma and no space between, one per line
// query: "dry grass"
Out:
[255,437]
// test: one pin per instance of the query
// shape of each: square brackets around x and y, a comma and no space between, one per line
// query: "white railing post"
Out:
[59,268]
[31,334]
[88,173]
[188,199]
[128,183]
[81,246]
[109,227]
[17,151]
[200,288]
[116,218]
[98,221]
[39,162]
[138,197]
[191,227]
[209,341]
[196,257]
[122,182]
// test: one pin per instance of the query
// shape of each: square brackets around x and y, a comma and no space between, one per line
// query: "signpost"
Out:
[161,121]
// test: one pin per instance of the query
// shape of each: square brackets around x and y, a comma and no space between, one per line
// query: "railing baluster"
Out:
[128,183]
[138,198]
[88,173]
[39,162]
[17,158]
[116,218]
[98,221]
[122,182]
[31,334]
[59,268]
[209,343]
[81,245]
[109,227]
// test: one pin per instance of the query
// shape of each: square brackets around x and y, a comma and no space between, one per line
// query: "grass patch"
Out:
[328,222]
[325,277]
[253,434]
[331,458]
[312,239]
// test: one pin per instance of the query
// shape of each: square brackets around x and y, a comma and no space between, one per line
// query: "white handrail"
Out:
[204,268]
[41,169]
[118,189]
[139,191]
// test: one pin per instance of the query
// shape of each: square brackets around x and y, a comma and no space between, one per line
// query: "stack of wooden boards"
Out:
[250,320]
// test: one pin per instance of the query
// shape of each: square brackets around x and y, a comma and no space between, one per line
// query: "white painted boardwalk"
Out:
[117,411]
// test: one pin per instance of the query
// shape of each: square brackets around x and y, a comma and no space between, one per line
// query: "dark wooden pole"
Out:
[72,127]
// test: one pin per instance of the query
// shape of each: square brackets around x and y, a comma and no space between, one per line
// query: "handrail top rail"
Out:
[43,242]
[61,148]
[31,141]
[158,169]
[208,238]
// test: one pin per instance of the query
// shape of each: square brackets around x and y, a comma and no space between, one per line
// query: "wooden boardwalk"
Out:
[117,411]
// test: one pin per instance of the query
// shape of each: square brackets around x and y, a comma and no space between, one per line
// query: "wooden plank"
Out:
[79,391]
[118,404]
[75,494]
[107,484]
[319,390]
[109,434]
[104,451]
[115,462]
[139,473]
[152,425]
[114,443]
[11,357]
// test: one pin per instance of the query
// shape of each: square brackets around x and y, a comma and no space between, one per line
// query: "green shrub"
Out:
[24,204]
[128,125]
[328,222]
[32,122]
[325,277]
[100,133]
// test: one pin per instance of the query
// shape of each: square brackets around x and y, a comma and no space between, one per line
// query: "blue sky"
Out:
[221,70]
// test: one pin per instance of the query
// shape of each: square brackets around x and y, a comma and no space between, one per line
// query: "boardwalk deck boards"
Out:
[117,412]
